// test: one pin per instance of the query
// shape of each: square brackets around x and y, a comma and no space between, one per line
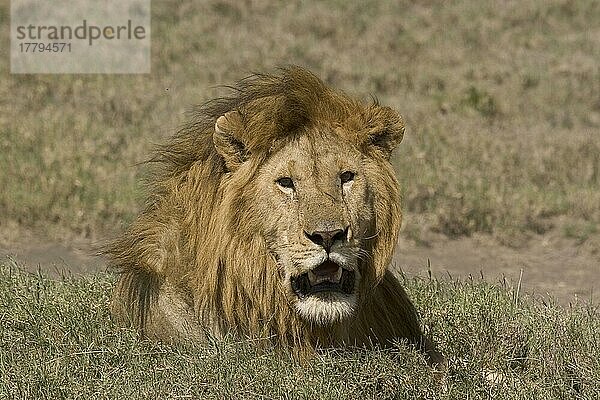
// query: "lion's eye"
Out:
[285,182]
[346,177]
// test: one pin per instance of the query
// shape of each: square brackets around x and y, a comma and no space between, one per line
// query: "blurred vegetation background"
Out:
[501,99]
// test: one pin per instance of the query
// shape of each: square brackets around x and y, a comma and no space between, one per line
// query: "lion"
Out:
[273,215]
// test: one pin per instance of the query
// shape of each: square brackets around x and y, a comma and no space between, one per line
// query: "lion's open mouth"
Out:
[327,277]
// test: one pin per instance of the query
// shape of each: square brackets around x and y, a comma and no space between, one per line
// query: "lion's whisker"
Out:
[372,237]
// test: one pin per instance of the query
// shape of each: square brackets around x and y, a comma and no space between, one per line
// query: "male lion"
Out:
[274,215]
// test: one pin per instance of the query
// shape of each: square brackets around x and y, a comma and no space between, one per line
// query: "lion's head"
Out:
[317,197]
[275,215]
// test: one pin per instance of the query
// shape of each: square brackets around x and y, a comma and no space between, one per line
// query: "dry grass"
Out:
[56,341]
[501,99]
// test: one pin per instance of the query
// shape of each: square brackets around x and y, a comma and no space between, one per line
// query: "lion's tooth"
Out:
[338,275]
[312,278]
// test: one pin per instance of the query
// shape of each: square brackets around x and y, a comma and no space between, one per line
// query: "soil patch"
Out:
[548,267]
[53,259]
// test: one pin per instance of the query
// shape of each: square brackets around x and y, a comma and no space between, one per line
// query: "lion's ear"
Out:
[387,132]
[225,139]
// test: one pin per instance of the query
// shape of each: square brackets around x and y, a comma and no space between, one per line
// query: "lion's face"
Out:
[317,215]
[321,193]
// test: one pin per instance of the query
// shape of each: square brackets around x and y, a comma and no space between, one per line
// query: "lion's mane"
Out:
[194,257]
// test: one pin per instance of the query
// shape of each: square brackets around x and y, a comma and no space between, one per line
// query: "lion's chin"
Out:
[327,308]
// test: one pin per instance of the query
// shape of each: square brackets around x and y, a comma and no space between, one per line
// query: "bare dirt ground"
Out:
[548,267]
[54,259]
[551,267]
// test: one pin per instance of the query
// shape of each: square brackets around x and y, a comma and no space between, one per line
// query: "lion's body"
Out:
[207,255]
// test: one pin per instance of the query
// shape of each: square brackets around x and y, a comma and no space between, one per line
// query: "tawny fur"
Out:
[198,258]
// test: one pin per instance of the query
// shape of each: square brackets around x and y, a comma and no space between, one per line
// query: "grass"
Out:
[57,341]
[501,102]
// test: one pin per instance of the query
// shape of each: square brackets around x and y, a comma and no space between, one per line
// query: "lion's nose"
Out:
[326,239]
